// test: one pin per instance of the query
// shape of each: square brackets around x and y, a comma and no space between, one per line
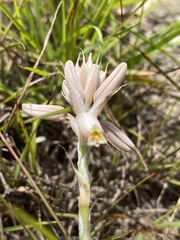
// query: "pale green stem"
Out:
[84,182]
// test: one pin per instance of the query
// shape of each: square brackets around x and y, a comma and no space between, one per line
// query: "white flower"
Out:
[87,90]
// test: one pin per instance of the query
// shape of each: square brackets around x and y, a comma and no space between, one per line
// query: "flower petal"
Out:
[75,100]
[35,110]
[116,137]
[98,105]
[112,82]
[65,91]
[89,61]
[73,124]
[91,85]
[71,77]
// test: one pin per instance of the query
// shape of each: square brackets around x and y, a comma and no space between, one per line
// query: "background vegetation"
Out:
[37,180]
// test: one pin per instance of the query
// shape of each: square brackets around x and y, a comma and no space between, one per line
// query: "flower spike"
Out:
[87,90]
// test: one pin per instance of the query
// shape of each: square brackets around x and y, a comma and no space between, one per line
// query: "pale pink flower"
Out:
[87,90]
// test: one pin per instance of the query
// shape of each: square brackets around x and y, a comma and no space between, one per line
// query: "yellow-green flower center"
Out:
[96,137]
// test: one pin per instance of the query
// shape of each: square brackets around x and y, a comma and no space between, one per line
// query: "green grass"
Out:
[35,41]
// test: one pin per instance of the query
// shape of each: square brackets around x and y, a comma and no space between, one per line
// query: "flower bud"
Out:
[116,137]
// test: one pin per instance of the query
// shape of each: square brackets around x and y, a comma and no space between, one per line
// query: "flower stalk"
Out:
[84,183]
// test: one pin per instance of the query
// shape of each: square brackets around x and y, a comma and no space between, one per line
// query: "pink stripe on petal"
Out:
[72,77]
[91,85]
[77,102]
[115,141]
[82,74]
[65,91]
[112,82]
[35,110]
[117,137]
[98,105]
